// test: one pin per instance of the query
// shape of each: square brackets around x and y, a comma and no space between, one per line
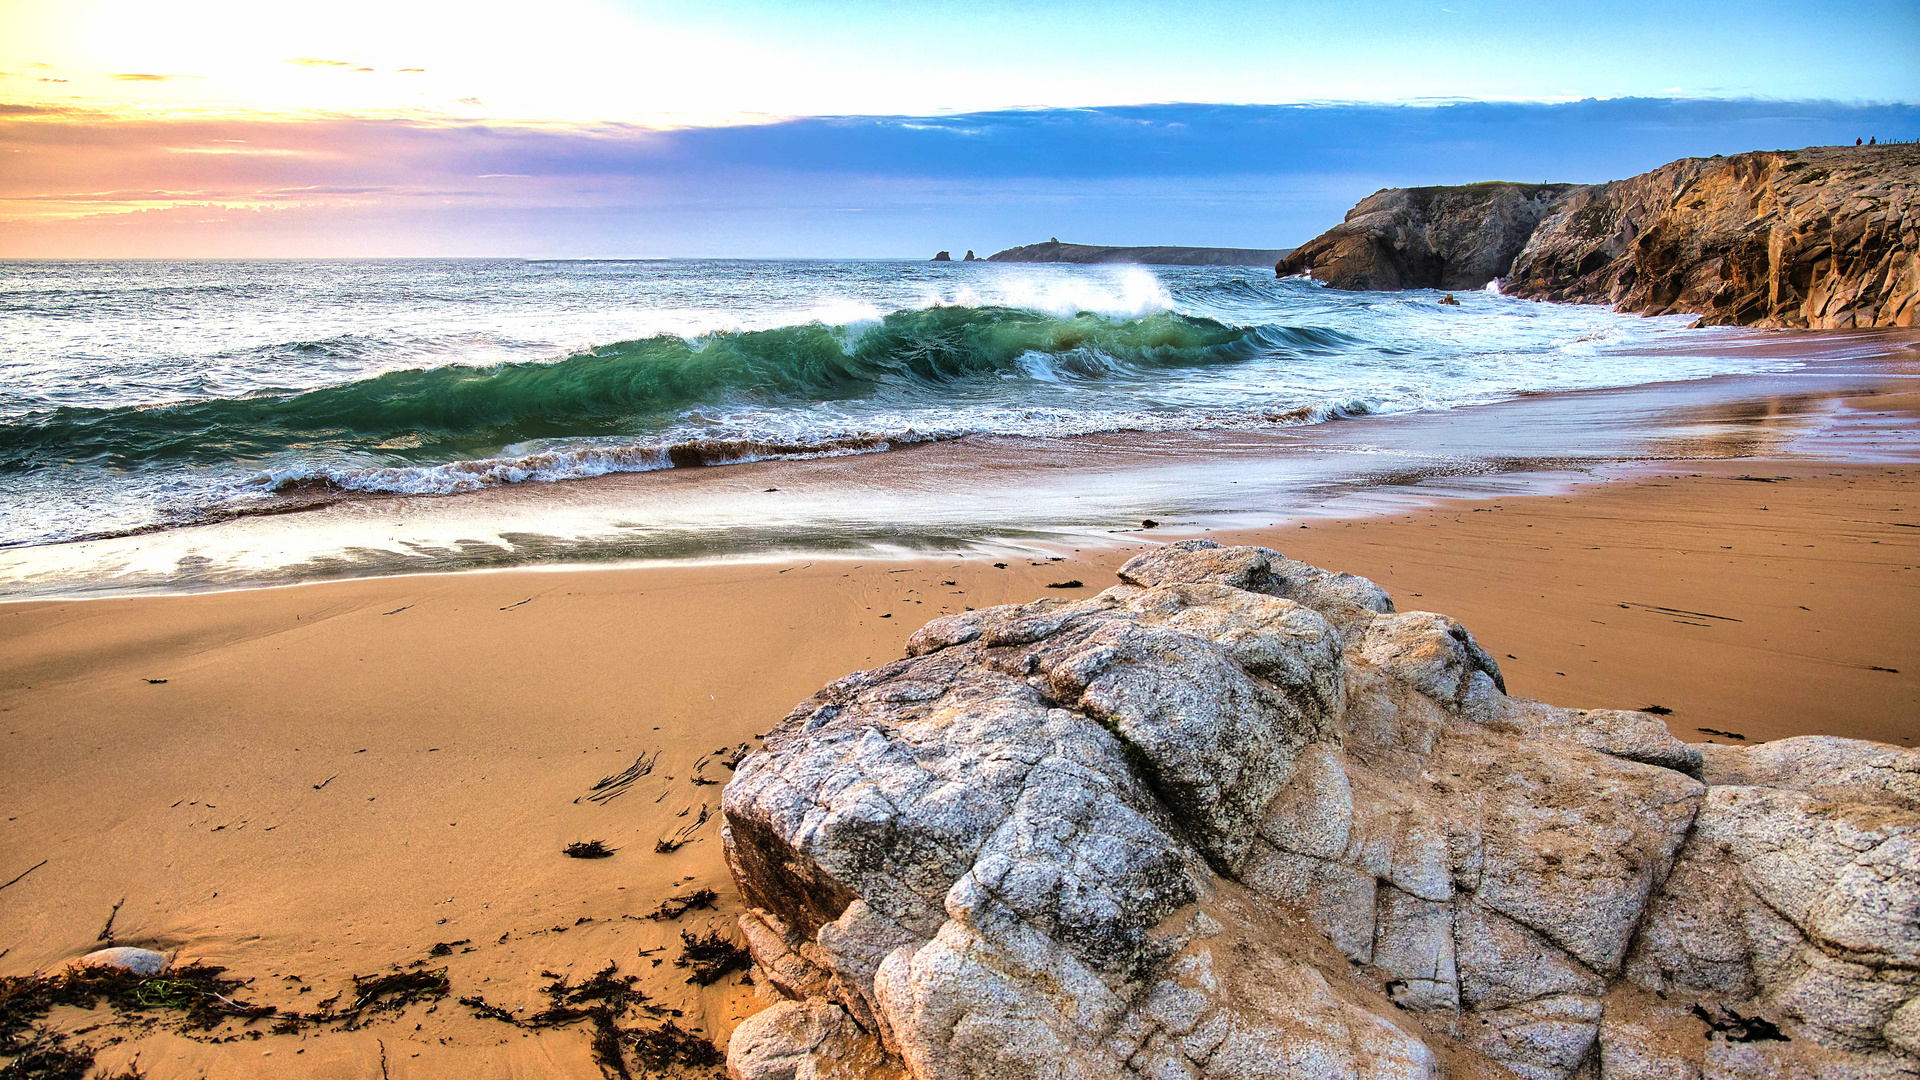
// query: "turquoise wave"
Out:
[639,387]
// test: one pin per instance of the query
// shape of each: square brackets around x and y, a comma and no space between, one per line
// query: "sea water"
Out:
[145,395]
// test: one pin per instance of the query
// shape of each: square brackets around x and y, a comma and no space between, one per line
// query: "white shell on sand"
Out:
[138,961]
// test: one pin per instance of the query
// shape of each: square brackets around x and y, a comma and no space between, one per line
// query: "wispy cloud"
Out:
[1250,176]
[142,76]
[343,65]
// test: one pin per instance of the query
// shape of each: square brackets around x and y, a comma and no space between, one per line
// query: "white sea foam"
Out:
[1117,292]
[185,332]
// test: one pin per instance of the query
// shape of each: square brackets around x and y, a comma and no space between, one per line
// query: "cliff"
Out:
[1824,237]
[1237,817]
[1427,237]
[1055,251]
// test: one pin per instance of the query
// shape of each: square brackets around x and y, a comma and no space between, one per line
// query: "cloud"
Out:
[141,76]
[334,65]
[1249,176]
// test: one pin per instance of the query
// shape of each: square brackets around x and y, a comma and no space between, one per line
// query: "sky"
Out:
[629,129]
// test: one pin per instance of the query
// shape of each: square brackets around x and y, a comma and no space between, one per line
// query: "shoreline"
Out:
[984,494]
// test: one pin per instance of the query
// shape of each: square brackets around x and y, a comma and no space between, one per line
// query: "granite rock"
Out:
[1239,817]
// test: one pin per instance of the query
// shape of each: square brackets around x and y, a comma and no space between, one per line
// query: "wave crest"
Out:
[641,387]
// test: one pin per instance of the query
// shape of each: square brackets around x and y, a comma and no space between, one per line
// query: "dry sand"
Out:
[334,778]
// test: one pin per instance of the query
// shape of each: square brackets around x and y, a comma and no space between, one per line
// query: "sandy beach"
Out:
[311,783]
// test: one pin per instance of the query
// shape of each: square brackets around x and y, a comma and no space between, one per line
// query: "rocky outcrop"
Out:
[1239,817]
[1054,251]
[1427,237]
[1826,237]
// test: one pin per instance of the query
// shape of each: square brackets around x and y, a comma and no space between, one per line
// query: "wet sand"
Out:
[334,778]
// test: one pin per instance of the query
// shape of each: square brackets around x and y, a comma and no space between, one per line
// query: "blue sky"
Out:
[595,128]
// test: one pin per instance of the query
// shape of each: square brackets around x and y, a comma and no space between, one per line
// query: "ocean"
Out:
[141,398]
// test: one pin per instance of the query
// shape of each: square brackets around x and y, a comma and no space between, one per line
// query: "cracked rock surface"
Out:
[1238,817]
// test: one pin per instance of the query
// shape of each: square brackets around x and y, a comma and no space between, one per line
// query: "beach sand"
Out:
[334,778]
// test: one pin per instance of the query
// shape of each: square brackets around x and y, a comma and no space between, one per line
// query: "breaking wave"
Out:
[645,387]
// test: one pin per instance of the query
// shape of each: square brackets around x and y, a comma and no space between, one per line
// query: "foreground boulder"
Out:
[1238,817]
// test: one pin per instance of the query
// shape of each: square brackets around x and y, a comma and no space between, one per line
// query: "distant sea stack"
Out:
[1053,251]
[941,256]
[1824,237]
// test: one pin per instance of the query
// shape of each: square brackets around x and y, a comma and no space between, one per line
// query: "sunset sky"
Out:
[638,129]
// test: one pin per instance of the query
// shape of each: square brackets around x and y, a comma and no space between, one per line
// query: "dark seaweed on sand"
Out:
[612,787]
[587,849]
[603,1000]
[1739,1028]
[199,993]
[669,1045]
[684,833]
[675,906]
[710,958]
[391,993]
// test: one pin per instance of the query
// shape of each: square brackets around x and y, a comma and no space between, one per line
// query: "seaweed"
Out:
[675,906]
[49,1058]
[1739,1028]
[684,834]
[199,992]
[710,958]
[669,1044]
[588,849]
[612,787]
[391,993]
[699,777]
[603,1000]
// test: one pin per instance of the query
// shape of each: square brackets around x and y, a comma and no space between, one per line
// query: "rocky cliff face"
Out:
[1826,237]
[1238,817]
[1426,238]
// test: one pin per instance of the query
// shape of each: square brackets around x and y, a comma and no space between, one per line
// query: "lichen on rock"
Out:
[1238,817]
